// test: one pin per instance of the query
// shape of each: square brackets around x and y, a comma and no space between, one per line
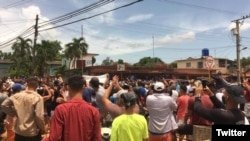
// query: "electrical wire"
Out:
[23,34]
[16,4]
[76,13]
[202,7]
[126,5]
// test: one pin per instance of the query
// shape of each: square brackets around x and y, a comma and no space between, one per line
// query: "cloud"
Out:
[118,45]
[242,26]
[175,38]
[137,18]
[22,19]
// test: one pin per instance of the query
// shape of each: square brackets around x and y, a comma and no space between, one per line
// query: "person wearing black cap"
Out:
[129,126]
[227,113]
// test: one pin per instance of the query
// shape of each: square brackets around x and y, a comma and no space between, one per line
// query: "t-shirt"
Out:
[161,108]
[182,103]
[196,119]
[129,128]
[75,120]
[99,102]
[218,115]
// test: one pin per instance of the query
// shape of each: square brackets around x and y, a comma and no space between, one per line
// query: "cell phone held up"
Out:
[204,84]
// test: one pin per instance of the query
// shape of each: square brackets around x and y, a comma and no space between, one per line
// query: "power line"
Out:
[16,4]
[126,5]
[10,42]
[27,31]
[76,13]
[201,7]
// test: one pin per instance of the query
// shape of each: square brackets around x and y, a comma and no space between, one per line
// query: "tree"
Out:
[172,65]
[5,55]
[76,49]
[107,62]
[148,62]
[46,51]
[120,61]
[93,60]
[245,62]
[21,57]
[60,70]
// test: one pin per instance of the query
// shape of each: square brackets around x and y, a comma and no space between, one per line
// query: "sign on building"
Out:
[120,67]
[210,62]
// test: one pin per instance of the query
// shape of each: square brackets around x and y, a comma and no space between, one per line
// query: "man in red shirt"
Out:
[75,120]
[194,118]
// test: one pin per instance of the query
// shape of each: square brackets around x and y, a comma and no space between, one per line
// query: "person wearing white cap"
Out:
[161,118]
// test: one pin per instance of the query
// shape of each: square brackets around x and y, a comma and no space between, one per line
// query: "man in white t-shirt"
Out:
[161,107]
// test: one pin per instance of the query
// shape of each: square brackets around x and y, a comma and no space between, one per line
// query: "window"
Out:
[200,65]
[188,65]
[222,63]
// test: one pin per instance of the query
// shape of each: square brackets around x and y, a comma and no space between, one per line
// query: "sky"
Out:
[168,29]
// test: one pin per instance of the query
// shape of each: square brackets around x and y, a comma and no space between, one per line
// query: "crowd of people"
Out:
[76,109]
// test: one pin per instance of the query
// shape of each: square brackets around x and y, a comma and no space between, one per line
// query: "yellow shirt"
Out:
[129,128]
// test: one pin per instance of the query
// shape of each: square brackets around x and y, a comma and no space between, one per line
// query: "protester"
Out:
[129,126]
[223,114]
[191,117]
[115,109]
[75,120]
[28,107]
[99,92]
[3,96]
[16,88]
[246,86]
[161,118]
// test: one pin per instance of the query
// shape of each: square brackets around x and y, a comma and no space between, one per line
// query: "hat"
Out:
[129,99]
[159,86]
[117,94]
[236,92]
[17,87]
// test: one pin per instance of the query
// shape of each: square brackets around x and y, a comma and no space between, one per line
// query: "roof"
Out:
[190,58]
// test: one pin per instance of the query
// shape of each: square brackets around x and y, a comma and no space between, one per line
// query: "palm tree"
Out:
[21,56]
[76,49]
[46,51]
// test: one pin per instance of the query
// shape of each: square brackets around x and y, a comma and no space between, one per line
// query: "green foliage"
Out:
[172,65]
[46,51]
[107,62]
[120,61]
[148,62]
[245,62]
[22,57]
[75,49]
[93,60]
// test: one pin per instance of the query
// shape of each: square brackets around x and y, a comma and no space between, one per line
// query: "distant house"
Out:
[219,64]
[4,66]
[52,66]
[80,63]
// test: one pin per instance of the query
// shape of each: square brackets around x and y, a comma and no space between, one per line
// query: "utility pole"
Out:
[238,50]
[236,32]
[153,47]
[34,45]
